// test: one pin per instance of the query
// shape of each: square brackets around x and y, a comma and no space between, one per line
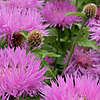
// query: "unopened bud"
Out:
[18,40]
[90,10]
[35,38]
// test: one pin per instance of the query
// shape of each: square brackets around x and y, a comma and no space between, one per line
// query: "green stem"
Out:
[76,3]
[78,35]
[58,43]
[97,2]
[53,76]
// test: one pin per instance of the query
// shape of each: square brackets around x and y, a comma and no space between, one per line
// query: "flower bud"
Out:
[18,40]
[90,10]
[35,38]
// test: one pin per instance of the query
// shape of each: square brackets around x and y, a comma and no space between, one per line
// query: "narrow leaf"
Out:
[76,14]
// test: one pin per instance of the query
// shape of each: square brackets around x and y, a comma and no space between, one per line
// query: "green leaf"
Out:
[53,32]
[87,43]
[39,52]
[25,34]
[51,54]
[44,53]
[48,48]
[76,14]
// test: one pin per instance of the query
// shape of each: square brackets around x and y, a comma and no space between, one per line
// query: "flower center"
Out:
[84,59]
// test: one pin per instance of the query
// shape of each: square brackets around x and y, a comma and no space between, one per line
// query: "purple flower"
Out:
[87,88]
[65,91]
[94,25]
[70,91]
[17,19]
[24,3]
[83,62]
[19,74]
[54,13]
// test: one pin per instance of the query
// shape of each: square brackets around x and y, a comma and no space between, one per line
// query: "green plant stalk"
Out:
[58,43]
[53,76]
[76,3]
[97,2]
[78,35]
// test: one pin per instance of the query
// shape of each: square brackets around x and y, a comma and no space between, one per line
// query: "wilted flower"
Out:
[90,10]
[18,40]
[35,38]
[15,19]
[54,13]
[83,62]
[70,91]
[19,74]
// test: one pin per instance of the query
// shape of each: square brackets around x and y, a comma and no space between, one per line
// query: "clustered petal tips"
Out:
[35,38]
[73,90]
[25,3]
[19,74]
[90,10]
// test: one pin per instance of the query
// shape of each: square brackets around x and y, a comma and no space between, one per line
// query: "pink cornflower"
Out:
[79,89]
[83,62]
[15,19]
[87,88]
[94,24]
[54,13]
[19,73]
[63,92]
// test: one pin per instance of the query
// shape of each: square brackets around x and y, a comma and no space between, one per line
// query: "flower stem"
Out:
[76,3]
[78,35]
[58,42]
[53,76]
